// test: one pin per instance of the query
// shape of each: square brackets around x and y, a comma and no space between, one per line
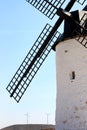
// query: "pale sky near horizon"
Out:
[20,25]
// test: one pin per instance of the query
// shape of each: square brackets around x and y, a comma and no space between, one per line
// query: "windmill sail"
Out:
[31,64]
[81,1]
[35,58]
[47,7]
[82,37]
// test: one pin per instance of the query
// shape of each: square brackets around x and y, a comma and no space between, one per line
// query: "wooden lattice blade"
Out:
[47,7]
[81,1]
[31,64]
[82,33]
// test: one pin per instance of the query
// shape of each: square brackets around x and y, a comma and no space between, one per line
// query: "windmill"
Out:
[76,24]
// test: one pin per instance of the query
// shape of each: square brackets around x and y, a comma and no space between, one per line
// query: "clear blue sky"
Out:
[20,25]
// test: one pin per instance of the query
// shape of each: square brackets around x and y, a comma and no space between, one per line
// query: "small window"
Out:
[72,75]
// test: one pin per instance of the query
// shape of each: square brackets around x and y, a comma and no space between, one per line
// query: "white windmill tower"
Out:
[71,62]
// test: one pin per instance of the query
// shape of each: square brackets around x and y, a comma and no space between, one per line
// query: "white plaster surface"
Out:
[71,102]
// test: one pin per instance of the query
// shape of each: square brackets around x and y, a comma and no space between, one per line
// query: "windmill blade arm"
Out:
[47,7]
[82,35]
[81,2]
[31,64]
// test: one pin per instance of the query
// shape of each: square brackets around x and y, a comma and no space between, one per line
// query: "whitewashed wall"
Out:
[71,102]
